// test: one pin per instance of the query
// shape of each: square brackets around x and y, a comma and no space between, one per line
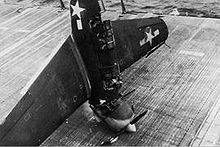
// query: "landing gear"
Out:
[110,108]
[96,43]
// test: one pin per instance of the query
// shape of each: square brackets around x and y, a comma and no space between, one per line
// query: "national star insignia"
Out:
[77,10]
[149,36]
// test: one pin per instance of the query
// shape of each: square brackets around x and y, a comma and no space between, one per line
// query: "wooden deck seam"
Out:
[32,19]
[48,25]
[30,82]
[43,20]
[25,52]
[161,61]
[26,69]
[165,66]
[11,39]
[16,49]
[17,17]
[56,26]
[7,82]
[26,86]
[28,18]
[28,36]
[201,135]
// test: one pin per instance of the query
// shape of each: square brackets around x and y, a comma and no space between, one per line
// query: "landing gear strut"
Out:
[110,107]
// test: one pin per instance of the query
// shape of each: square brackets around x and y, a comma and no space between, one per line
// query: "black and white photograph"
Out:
[110,73]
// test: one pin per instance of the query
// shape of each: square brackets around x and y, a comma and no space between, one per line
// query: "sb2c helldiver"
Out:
[86,67]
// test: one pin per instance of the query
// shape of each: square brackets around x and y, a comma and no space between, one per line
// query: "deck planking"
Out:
[178,84]
[24,48]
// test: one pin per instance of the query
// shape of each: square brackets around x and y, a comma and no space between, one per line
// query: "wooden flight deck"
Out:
[178,84]
[27,38]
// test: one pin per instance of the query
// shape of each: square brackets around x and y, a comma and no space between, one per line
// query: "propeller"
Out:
[115,138]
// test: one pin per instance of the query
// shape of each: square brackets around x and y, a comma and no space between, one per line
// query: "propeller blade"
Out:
[136,119]
[115,138]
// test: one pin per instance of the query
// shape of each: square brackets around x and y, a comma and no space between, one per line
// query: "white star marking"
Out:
[77,10]
[149,37]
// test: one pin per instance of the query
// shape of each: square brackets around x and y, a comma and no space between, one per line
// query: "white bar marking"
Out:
[79,24]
